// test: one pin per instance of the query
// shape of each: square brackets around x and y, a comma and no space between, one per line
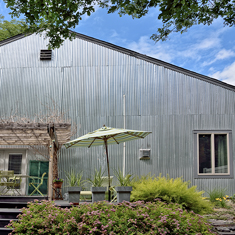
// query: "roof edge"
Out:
[14,38]
[157,61]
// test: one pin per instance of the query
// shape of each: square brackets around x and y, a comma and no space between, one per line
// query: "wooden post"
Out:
[53,168]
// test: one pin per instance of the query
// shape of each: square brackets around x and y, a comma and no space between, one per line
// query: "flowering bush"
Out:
[58,180]
[105,218]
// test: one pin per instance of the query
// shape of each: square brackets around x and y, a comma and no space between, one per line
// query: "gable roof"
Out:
[138,56]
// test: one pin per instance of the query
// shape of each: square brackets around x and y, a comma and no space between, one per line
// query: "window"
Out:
[213,154]
[14,163]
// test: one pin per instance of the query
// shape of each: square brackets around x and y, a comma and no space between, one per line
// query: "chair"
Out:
[37,185]
[5,182]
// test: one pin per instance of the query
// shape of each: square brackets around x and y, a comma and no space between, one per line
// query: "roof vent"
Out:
[144,154]
[45,54]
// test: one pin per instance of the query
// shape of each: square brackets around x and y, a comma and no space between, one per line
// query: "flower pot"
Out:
[57,184]
[74,194]
[123,193]
[98,194]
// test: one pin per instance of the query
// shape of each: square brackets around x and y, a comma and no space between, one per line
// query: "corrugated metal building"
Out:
[191,116]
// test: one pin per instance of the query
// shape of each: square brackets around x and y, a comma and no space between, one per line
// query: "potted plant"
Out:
[124,189]
[98,192]
[75,183]
[57,183]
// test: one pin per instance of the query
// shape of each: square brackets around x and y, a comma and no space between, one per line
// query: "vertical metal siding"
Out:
[88,82]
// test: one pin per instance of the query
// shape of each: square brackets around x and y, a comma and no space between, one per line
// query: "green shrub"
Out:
[106,218]
[170,190]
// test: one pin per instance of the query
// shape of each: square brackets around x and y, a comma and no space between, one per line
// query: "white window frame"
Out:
[213,174]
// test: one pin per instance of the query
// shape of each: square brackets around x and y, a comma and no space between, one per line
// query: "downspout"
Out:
[124,126]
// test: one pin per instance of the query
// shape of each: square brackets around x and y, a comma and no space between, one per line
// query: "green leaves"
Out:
[123,180]
[108,218]
[57,17]
[97,179]
[177,16]
[171,191]
[74,179]
[11,28]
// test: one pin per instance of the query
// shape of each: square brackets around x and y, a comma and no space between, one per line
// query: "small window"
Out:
[45,54]
[213,154]
[14,163]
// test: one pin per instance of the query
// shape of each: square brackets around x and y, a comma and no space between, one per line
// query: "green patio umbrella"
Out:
[106,136]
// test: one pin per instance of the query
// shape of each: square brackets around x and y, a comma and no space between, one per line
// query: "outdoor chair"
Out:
[37,185]
[6,183]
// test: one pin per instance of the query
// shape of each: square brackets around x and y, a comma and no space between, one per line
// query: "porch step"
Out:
[16,205]
[5,231]
[4,222]
[22,198]
[6,215]
[9,213]
[10,207]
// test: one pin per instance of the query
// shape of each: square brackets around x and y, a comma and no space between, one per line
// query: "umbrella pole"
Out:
[106,147]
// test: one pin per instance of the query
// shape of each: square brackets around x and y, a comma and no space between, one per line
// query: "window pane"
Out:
[205,154]
[15,163]
[221,157]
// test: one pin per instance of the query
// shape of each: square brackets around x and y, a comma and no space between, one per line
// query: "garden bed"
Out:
[107,218]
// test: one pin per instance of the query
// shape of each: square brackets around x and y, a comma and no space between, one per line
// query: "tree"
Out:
[11,28]
[56,17]
[178,15]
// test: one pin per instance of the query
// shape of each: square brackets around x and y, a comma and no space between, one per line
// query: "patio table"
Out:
[18,179]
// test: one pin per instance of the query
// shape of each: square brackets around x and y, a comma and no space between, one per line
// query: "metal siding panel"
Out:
[88,82]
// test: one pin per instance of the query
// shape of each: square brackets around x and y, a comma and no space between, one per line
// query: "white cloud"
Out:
[146,46]
[114,34]
[195,49]
[208,43]
[198,48]
[227,75]
[221,55]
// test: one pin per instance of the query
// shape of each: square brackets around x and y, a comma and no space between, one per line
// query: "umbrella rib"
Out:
[115,140]
[135,135]
[92,143]
[70,145]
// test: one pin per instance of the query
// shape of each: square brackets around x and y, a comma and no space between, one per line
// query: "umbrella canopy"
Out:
[106,136]
[112,135]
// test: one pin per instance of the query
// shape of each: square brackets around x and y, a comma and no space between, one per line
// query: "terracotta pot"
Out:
[57,184]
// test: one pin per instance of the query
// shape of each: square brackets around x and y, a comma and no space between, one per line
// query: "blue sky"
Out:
[208,50]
